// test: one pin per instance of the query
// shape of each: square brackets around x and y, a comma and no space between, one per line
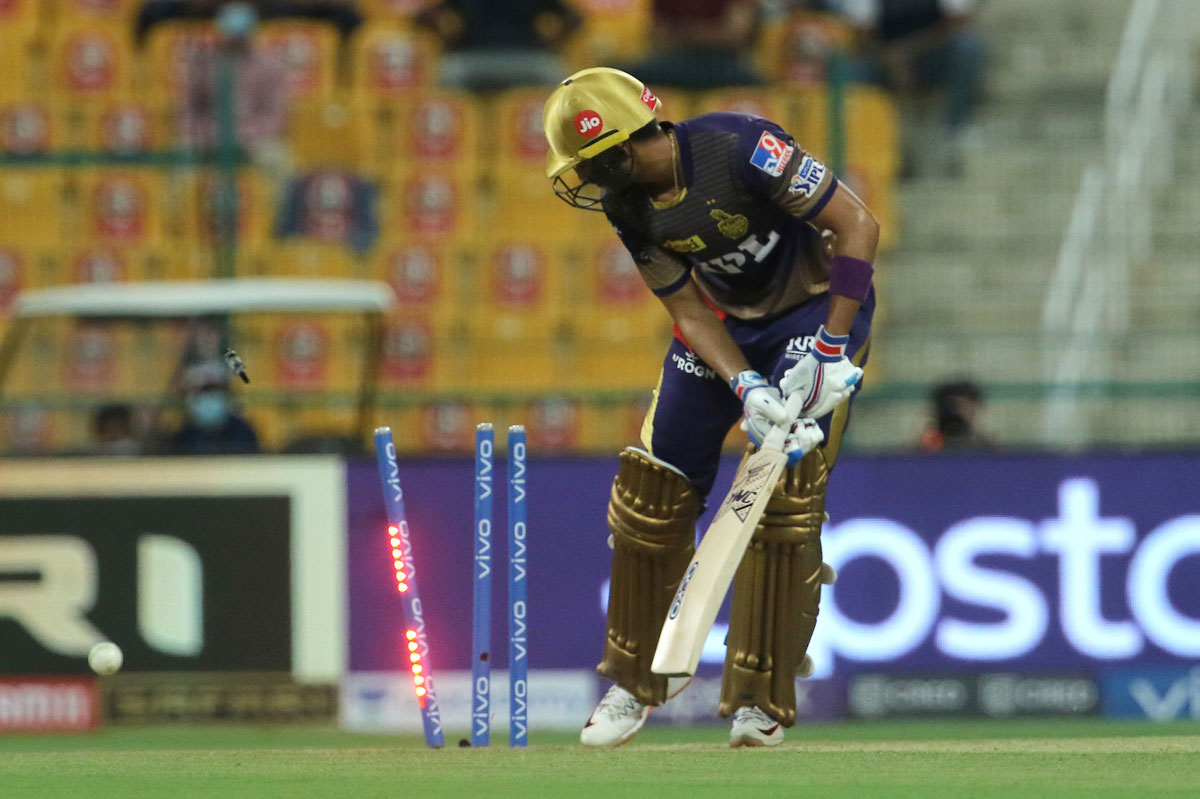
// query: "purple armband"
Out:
[850,277]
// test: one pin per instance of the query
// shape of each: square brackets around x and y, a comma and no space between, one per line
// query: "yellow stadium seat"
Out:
[309,51]
[14,68]
[18,20]
[255,208]
[297,353]
[631,364]
[512,364]
[613,31]
[523,205]
[122,206]
[769,103]
[872,130]
[32,430]
[517,291]
[91,61]
[417,357]
[127,126]
[430,205]
[393,11]
[303,258]
[554,424]
[18,272]
[444,428]
[441,128]
[425,278]
[96,358]
[33,203]
[332,133]
[170,46]
[116,12]
[391,61]
[100,263]
[522,141]
[32,127]
[808,119]
[610,301]
[796,50]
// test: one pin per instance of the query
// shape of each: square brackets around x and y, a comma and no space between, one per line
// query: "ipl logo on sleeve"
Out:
[808,177]
[771,155]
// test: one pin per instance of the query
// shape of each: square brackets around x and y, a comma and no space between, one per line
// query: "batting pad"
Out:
[776,592]
[652,515]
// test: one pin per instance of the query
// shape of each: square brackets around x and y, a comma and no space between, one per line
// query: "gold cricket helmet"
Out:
[588,114]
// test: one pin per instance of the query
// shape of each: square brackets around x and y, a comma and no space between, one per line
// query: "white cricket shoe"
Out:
[615,720]
[753,727]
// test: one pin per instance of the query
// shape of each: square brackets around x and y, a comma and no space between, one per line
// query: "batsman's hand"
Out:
[824,377]
[761,403]
[801,438]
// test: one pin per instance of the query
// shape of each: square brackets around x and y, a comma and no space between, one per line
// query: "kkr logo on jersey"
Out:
[808,177]
[771,155]
[732,226]
[692,244]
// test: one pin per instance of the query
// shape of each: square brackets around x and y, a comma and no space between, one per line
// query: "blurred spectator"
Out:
[956,406]
[343,15]
[911,45]
[212,425]
[701,44]
[498,44]
[113,431]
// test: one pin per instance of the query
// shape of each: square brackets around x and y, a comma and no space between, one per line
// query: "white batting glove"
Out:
[804,435]
[761,403]
[825,377]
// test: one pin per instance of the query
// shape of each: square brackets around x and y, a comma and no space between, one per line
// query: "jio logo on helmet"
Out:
[588,124]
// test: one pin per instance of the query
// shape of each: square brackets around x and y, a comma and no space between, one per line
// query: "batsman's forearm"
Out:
[709,339]
[842,311]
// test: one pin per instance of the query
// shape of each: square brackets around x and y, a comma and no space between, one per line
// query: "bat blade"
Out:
[708,576]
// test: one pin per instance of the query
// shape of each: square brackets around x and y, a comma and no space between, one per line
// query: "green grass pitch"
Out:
[923,759]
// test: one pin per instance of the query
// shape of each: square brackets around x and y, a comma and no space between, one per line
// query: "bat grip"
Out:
[778,434]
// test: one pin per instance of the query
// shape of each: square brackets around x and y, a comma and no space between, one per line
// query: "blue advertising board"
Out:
[948,563]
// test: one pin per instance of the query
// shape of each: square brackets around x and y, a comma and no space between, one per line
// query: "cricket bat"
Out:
[708,576]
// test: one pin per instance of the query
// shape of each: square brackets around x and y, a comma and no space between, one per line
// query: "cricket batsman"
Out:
[764,261]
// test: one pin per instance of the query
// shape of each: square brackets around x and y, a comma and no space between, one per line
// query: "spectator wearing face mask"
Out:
[212,425]
[113,431]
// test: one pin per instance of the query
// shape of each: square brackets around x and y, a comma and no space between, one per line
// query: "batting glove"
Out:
[825,377]
[803,436]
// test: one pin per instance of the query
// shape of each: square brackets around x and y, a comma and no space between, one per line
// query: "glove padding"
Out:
[760,401]
[824,377]
[801,438]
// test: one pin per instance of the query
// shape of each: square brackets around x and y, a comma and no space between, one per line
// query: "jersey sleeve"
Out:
[663,272]
[772,165]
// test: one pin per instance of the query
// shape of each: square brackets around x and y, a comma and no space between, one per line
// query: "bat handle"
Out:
[778,434]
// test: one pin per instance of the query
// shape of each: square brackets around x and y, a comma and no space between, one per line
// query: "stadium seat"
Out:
[91,61]
[796,49]
[770,103]
[439,128]
[416,356]
[872,131]
[425,278]
[391,61]
[302,258]
[31,127]
[332,134]
[609,300]
[115,12]
[18,20]
[17,273]
[430,205]
[304,354]
[169,48]
[631,364]
[393,11]
[101,264]
[127,127]
[96,358]
[33,203]
[807,119]
[613,31]
[444,428]
[14,68]
[516,291]
[519,364]
[522,141]
[309,51]
[122,206]
[554,424]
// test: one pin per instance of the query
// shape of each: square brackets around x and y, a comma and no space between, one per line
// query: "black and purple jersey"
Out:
[741,225]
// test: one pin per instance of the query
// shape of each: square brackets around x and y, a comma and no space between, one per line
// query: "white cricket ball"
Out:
[105,658]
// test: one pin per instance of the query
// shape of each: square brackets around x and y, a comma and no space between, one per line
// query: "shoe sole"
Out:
[747,742]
